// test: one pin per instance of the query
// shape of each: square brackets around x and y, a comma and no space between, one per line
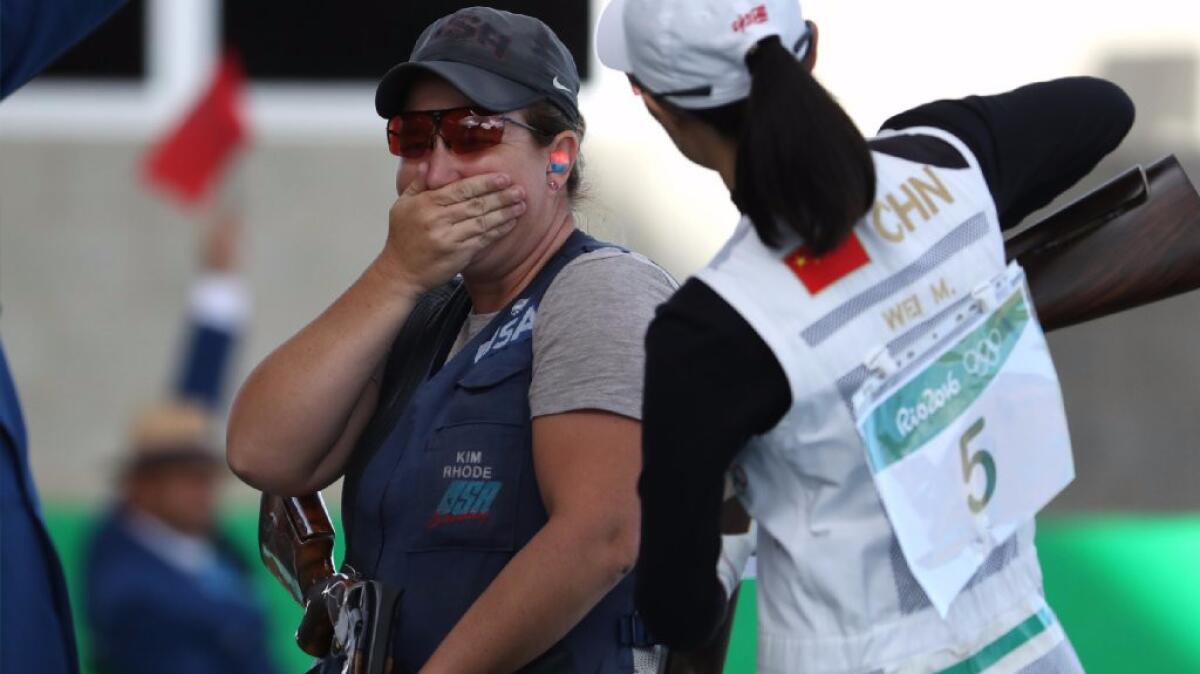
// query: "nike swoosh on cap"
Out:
[560,85]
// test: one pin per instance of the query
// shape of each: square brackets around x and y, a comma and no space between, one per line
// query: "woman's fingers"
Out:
[477,244]
[466,212]
[486,225]
[469,188]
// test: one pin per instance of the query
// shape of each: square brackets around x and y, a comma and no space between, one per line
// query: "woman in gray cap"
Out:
[858,355]
[501,498]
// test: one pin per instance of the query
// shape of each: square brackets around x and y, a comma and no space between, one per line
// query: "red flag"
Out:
[187,161]
[817,273]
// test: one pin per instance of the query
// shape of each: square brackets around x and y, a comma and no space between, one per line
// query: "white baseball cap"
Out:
[693,52]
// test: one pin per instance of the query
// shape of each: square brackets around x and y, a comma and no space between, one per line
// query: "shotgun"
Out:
[347,619]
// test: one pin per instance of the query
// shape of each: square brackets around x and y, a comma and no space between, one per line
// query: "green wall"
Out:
[1127,589]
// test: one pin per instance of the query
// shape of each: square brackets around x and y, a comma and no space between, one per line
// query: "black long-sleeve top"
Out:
[712,383]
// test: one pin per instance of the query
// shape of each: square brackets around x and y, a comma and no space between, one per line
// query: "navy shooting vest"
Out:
[450,495]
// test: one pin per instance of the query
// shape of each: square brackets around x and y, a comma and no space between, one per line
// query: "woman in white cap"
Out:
[500,498]
[858,356]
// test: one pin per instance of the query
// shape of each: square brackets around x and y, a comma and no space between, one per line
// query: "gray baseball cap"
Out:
[500,60]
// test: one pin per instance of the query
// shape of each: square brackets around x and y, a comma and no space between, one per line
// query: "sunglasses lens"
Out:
[466,132]
[411,135]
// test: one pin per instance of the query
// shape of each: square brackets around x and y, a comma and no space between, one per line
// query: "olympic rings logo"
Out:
[986,356]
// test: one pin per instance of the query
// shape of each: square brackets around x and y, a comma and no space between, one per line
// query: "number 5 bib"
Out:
[965,434]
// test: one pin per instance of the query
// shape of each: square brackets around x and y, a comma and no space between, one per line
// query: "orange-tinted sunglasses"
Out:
[465,130]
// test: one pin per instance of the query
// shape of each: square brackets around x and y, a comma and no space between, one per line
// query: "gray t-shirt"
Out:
[589,337]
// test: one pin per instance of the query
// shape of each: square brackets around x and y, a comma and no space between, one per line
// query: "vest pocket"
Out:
[470,478]
[472,468]
[495,390]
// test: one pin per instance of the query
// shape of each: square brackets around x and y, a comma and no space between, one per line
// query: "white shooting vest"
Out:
[835,593]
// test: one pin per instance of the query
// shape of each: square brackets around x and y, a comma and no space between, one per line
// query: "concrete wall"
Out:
[94,274]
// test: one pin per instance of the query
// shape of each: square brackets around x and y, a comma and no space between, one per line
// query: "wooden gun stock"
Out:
[1133,241]
[295,538]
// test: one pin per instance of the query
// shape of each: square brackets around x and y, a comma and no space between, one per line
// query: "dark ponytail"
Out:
[801,161]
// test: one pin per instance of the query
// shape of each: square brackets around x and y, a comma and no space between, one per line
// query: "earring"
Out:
[553,185]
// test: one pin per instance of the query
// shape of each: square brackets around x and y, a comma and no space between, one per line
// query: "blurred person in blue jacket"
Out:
[165,591]
[35,615]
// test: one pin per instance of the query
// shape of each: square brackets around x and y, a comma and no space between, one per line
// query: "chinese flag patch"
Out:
[818,273]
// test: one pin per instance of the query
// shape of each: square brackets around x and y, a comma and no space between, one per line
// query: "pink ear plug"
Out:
[560,161]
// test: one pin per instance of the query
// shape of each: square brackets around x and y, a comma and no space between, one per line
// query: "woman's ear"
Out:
[810,57]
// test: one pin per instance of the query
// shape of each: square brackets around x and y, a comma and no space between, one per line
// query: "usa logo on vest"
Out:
[511,332]
[465,501]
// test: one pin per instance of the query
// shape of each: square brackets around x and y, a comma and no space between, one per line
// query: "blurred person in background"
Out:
[754,364]
[36,634]
[165,591]
[502,500]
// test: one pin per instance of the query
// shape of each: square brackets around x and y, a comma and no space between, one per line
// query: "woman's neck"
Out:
[724,153]
[491,293]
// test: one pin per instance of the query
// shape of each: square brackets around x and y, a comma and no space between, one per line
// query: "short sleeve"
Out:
[589,338]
